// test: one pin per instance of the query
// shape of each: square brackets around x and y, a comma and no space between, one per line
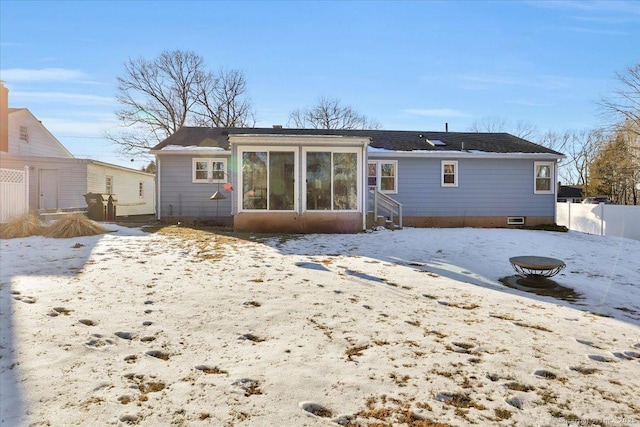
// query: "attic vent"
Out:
[436,143]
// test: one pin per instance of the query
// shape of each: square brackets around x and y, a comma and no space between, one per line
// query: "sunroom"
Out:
[298,183]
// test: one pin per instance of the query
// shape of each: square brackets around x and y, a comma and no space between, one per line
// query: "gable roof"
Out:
[393,140]
[570,191]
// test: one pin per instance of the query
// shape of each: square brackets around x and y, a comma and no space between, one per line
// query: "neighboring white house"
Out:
[58,180]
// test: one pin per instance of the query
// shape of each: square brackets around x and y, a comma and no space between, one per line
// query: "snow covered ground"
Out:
[184,327]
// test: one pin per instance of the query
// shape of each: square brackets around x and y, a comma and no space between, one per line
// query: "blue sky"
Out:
[409,65]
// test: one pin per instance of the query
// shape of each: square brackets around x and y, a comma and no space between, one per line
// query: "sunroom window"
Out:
[332,181]
[209,170]
[268,180]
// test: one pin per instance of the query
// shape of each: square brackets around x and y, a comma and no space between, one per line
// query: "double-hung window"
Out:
[331,180]
[209,170]
[449,173]
[543,178]
[383,174]
[268,179]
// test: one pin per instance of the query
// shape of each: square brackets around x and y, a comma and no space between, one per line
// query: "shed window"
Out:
[209,170]
[543,178]
[141,190]
[449,173]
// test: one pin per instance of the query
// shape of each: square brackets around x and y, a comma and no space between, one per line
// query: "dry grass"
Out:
[21,226]
[73,226]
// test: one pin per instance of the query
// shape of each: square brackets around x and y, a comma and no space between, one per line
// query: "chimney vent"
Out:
[277,126]
[446,126]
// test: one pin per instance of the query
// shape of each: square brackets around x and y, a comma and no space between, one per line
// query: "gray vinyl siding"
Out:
[486,187]
[181,197]
[71,174]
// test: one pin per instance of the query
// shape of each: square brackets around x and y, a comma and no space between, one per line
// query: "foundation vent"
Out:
[515,220]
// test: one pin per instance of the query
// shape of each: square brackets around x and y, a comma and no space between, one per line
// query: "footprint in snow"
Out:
[124,335]
[598,358]
[97,341]
[25,299]
[315,409]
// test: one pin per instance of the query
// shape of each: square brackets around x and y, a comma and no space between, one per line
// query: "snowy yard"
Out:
[405,328]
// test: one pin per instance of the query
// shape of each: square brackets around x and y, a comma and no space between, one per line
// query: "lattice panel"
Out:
[12,176]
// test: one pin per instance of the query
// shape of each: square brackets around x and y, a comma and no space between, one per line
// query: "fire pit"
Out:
[536,266]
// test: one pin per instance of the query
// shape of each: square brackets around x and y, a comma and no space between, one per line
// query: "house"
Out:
[570,193]
[57,180]
[313,180]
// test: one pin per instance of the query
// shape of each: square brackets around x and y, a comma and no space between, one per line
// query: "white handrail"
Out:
[390,205]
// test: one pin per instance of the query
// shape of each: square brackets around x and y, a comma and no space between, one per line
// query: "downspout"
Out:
[158,189]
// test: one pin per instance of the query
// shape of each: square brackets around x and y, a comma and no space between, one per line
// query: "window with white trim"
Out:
[209,170]
[543,178]
[449,173]
[383,174]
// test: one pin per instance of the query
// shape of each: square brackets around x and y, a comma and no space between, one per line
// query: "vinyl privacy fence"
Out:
[603,220]
[14,193]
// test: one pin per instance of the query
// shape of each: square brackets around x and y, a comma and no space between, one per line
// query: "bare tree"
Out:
[624,104]
[223,101]
[580,147]
[328,113]
[494,124]
[160,96]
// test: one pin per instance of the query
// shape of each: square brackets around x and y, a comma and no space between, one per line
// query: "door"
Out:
[48,189]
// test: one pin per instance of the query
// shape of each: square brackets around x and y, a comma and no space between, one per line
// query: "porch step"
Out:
[391,225]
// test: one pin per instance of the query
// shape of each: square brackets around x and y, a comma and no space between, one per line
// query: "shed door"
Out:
[48,189]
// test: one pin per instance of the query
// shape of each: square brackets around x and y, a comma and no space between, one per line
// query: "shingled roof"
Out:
[382,139]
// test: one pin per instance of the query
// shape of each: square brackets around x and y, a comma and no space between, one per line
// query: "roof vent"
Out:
[436,142]
[277,126]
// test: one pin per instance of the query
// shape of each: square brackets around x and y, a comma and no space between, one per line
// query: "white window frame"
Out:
[332,150]
[536,166]
[267,149]
[444,163]
[209,179]
[378,185]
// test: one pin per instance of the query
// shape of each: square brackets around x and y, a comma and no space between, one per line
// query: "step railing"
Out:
[384,205]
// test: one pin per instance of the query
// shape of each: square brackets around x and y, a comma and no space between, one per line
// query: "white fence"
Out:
[14,193]
[601,219]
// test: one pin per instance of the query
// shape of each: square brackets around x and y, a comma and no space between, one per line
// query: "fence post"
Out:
[569,214]
[26,188]
[601,219]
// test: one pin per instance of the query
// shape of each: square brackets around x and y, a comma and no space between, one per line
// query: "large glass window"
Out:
[319,181]
[268,180]
[543,174]
[332,181]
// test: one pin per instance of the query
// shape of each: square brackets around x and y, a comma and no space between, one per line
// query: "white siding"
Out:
[41,142]
[125,187]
